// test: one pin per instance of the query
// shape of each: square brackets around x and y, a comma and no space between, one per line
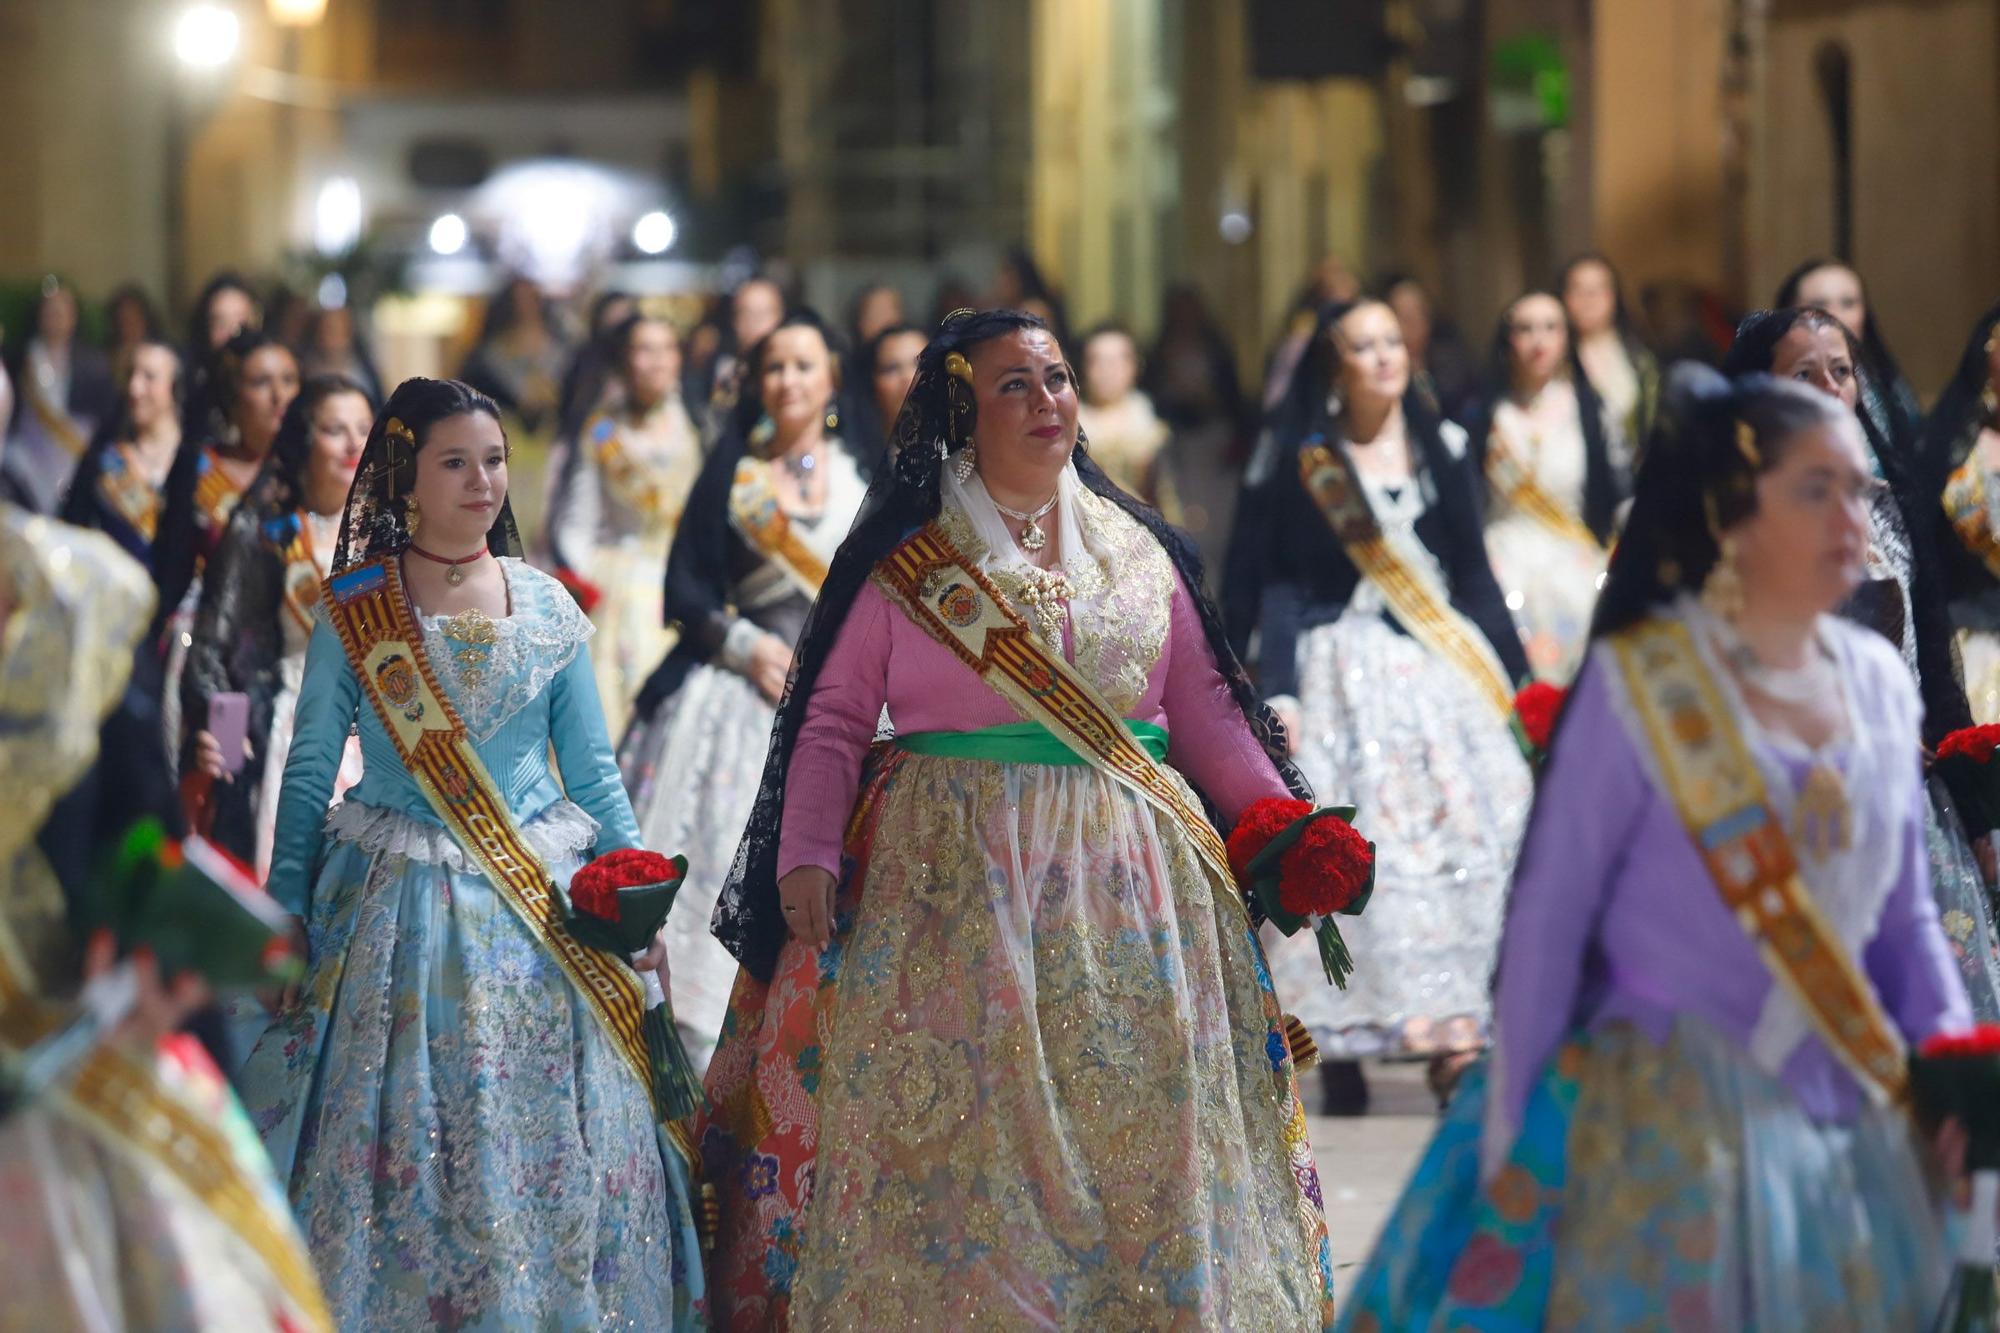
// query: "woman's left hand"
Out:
[1947,1152]
[654,959]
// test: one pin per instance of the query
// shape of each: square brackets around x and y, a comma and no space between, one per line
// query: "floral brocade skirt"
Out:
[1660,1187]
[1039,1080]
[463,1145]
[1441,788]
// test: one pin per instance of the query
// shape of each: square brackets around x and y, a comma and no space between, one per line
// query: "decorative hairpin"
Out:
[957,366]
[395,432]
[1746,444]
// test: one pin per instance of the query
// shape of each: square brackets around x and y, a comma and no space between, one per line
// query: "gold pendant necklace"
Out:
[1822,824]
[1032,538]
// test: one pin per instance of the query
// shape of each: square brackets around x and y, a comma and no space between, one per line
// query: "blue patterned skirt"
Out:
[1676,1186]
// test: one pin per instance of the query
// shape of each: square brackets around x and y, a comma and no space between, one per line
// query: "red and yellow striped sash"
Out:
[950,600]
[1329,481]
[370,611]
[1716,787]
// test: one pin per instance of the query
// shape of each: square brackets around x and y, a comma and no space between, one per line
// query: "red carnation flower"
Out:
[1325,870]
[1263,821]
[1982,1040]
[1537,706]
[1974,743]
[593,890]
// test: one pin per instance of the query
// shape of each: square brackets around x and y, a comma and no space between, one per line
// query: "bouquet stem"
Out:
[675,1085]
[1970,1303]
[1333,955]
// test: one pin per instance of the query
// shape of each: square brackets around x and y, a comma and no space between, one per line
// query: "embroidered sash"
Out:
[1516,482]
[122,1103]
[1329,480]
[127,494]
[55,421]
[1722,801]
[630,480]
[291,538]
[1965,508]
[954,603]
[756,513]
[370,611]
[215,496]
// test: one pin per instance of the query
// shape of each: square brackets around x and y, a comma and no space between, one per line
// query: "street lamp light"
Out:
[206,36]
[654,233]
[448,234]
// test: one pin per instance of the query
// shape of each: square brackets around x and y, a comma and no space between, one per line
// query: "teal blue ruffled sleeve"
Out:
[327,703]
[583,754]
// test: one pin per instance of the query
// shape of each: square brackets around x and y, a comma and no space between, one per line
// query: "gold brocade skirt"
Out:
[1055,1090]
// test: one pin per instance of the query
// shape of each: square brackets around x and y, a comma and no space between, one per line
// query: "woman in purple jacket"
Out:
[1681,1124]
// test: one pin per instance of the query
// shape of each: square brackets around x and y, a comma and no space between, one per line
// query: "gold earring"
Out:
[1722,590]
[965,464]
[413,515]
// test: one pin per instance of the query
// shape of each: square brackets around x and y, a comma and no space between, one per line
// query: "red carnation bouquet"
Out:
[586,593]
[1536,708]
[618,903]
[1956,1076]
[1965,763]
[1306,866]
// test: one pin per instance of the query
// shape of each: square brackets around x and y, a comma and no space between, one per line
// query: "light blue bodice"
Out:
[528,690]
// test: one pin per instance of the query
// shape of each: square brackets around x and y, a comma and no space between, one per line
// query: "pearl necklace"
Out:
[1031,538]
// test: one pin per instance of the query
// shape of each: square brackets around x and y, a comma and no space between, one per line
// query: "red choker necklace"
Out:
[453,574]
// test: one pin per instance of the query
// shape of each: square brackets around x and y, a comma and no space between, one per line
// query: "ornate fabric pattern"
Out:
[1057,1104]
[1652,1186]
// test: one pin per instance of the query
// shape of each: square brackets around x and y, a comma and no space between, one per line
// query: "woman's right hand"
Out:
[161,1007]
[770,663]
[282,1000]
[1288,716]
[807,896]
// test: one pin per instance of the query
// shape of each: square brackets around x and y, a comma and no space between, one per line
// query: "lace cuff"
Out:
[743,637]
[560,833]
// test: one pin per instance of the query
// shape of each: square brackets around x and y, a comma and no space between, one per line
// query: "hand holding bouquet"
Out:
[1305,866]
[619,903]
[1957,1077]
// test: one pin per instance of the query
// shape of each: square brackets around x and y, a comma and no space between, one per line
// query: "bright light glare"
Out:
[205,36]
[332,293]
[654,233]
[337,216]
[448,234]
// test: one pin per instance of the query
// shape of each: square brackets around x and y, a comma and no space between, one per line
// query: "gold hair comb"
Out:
[957,366]
[1746,444]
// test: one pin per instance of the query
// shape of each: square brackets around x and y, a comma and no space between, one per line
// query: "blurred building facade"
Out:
[1704,145]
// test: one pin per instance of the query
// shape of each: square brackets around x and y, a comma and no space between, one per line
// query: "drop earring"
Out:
[965,465]
[413,515]
[1722,590]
